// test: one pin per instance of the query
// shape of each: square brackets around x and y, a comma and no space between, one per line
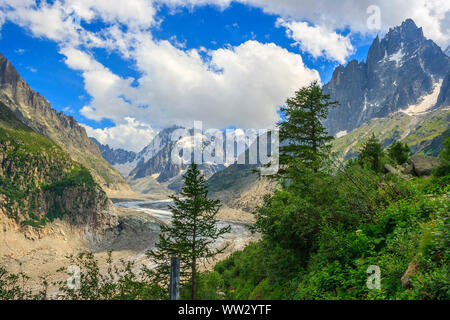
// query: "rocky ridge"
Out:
[36,112]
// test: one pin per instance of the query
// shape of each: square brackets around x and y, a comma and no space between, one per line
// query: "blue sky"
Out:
[125,74]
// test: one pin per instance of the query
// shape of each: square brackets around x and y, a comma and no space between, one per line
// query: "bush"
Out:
[399,152]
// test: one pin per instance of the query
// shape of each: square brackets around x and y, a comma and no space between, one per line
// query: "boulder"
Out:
[423,165]
[391,169]
[405,279]
[407,168]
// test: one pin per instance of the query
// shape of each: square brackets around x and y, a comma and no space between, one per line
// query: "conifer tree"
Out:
[399,152]
[192,232]
[302,134]
[371,154]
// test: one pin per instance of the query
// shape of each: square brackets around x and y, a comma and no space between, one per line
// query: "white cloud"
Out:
[130,135]
[333,15]
[20,51]
[135,14]
[318,41]
[240,85]
[2,20]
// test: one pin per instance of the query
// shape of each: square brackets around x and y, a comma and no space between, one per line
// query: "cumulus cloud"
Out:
[318,41]
[135,14]
[333,15]
[240,85]
[131,135]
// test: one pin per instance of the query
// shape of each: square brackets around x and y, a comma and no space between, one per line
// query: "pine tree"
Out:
[302,135]
[192,232]
[399,152]
[444,168]
[371,154]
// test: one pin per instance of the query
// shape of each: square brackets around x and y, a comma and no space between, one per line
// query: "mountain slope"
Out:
[39,182]
[36,112]
[119,158]
[239,188]
[423,133]
[444,94]
[151,170]
[400,69]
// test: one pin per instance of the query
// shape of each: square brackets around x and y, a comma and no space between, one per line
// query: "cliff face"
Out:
[39,183]
[115,156]
[400,69]
[36,112]
[444,95]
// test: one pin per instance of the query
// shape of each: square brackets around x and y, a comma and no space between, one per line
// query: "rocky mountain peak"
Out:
[400,70]
[32,109]
[447,51]
[8,74]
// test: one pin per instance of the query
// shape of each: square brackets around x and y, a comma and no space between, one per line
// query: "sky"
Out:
[126,69]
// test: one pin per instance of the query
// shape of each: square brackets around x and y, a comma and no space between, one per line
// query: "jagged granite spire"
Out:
[400,68]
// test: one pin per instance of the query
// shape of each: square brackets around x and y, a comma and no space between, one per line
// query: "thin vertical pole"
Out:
[174,287]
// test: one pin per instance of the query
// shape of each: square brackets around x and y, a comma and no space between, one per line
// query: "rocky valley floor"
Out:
[40,253]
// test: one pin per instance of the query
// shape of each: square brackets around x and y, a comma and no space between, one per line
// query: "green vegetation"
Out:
[423,134]
[444,168]
[329,259]
[371,154]
[399,152]
[36,174]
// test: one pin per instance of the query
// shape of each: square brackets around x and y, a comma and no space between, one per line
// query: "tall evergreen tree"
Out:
[444,168]
[371,154]
[192,231]
[302,134]
[399,152]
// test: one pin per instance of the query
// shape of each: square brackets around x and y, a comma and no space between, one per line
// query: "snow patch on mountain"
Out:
[341,133]
[397,57]
[426,102]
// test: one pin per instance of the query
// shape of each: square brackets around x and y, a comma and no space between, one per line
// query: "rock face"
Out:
[444,94]
[399,70]
[405,279]
[165,170]
[39,183]
[36,112]
[423,165]
[115,156]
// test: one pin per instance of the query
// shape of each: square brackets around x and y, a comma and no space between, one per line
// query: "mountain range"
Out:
[152,166]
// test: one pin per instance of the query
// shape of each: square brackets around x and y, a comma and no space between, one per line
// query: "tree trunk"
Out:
[194,279]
